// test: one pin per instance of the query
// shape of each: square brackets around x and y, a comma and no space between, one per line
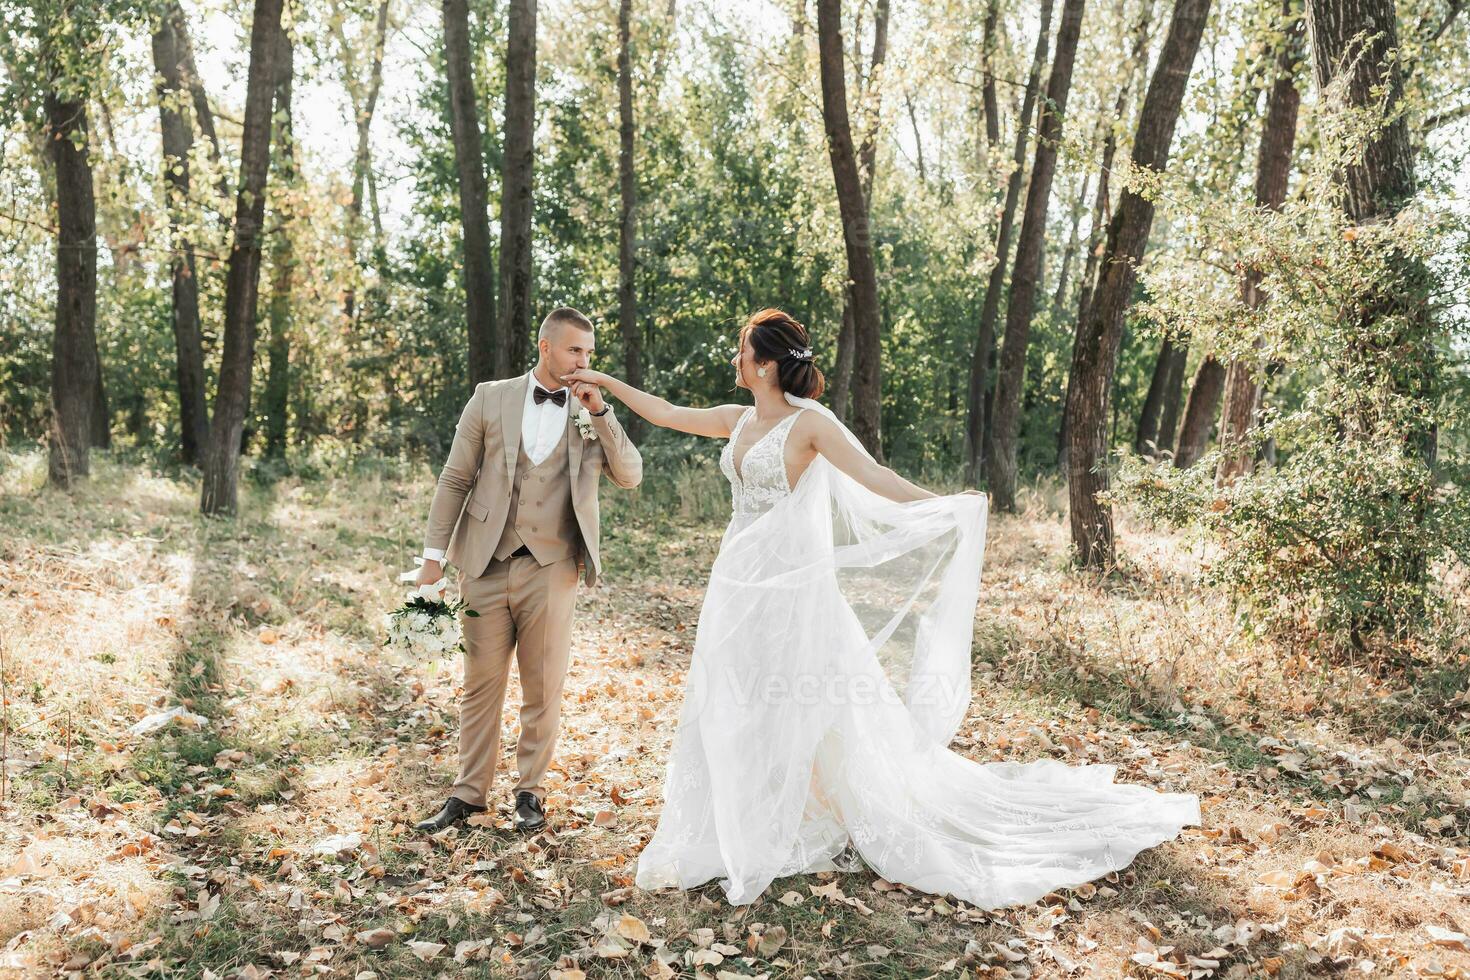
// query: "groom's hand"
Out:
[429,572]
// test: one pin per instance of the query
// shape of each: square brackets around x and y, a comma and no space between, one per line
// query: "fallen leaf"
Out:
[424,950]
[376,938]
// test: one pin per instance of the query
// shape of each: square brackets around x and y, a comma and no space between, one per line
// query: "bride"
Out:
[831,668]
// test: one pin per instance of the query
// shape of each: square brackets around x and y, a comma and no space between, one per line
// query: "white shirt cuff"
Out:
[433,554]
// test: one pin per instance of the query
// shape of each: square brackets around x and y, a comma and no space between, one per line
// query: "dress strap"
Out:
[740,423]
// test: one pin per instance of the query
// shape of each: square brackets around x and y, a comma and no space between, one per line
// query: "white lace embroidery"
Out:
[760,480]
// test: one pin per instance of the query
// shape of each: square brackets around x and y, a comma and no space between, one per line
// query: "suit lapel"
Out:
[574,440]
[512,413]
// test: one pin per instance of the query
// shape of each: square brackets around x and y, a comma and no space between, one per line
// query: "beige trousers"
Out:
[525,608]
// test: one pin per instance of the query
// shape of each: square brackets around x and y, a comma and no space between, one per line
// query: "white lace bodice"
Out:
[761,477]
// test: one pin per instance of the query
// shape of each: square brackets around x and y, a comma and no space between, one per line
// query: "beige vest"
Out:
[541,516]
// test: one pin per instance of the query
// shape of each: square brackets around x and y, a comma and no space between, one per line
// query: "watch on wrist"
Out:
[605,409]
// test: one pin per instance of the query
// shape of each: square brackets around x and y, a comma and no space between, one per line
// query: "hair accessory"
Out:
[805,354]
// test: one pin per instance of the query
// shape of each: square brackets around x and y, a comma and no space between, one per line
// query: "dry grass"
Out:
[1334,798]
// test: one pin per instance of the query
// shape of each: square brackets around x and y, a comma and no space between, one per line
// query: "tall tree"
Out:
[976,423]
[989,101]
[856,235]
[203,115]
[1069,254]
[1101,208]
[178,142]
[871,98]
[1242,382]
[1155,433]
[283,261]
[1273,168]
[220,491]
[1173,396]
[485,347]
[1000,458]
[363,97]
[628,217]
[517,166]
[1148,438]
[74,367]
[1095,347]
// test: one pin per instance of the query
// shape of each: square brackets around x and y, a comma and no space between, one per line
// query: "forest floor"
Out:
[267,830]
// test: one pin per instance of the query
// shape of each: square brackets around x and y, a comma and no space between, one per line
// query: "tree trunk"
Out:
[1146,438]
[1000,456]
[628,225]
[1173,394]
[990,105]
[866,413]
[977,396]
[464,126]
[1102,204]
[908,101]
[871,99]
[178,142]
[74,367]
[1059,299]
[283,261]
[1095,347]
[1199,411]
[1243,386]
[242,282]
[517,163]
[101,416]
[1382,181]
[364,106]
[173,13]
[842,371]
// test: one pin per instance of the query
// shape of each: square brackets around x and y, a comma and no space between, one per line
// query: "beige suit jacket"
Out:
[468,513]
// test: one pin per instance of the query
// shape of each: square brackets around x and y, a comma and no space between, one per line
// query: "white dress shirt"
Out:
[543,424]
[541,427]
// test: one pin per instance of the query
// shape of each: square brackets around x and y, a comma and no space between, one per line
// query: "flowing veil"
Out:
[911,574]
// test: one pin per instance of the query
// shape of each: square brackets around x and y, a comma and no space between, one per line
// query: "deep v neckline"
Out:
[749,414]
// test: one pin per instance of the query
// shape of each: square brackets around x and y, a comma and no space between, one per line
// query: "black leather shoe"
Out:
[454,810]
[529,814]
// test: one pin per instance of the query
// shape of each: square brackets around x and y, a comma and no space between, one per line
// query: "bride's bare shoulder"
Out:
[812,426]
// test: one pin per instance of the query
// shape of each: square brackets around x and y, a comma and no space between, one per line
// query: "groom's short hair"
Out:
[562,314]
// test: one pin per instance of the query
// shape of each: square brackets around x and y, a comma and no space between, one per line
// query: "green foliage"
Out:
[1346,534]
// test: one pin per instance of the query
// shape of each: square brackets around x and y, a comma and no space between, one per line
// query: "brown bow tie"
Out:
[559,396]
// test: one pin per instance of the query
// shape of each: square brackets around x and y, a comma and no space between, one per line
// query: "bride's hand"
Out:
[587,376]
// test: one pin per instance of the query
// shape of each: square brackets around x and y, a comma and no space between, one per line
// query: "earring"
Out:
[760,372]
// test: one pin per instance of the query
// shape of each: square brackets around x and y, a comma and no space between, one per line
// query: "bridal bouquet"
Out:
[426,626]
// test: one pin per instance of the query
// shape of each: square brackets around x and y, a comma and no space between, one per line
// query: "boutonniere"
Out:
[584,424]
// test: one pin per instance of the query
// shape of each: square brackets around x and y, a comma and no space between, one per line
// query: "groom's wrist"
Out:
[605,410]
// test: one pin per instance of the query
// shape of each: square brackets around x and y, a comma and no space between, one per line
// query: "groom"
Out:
[515,510]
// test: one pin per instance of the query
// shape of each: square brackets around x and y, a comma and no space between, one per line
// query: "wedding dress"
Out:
[830,670]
